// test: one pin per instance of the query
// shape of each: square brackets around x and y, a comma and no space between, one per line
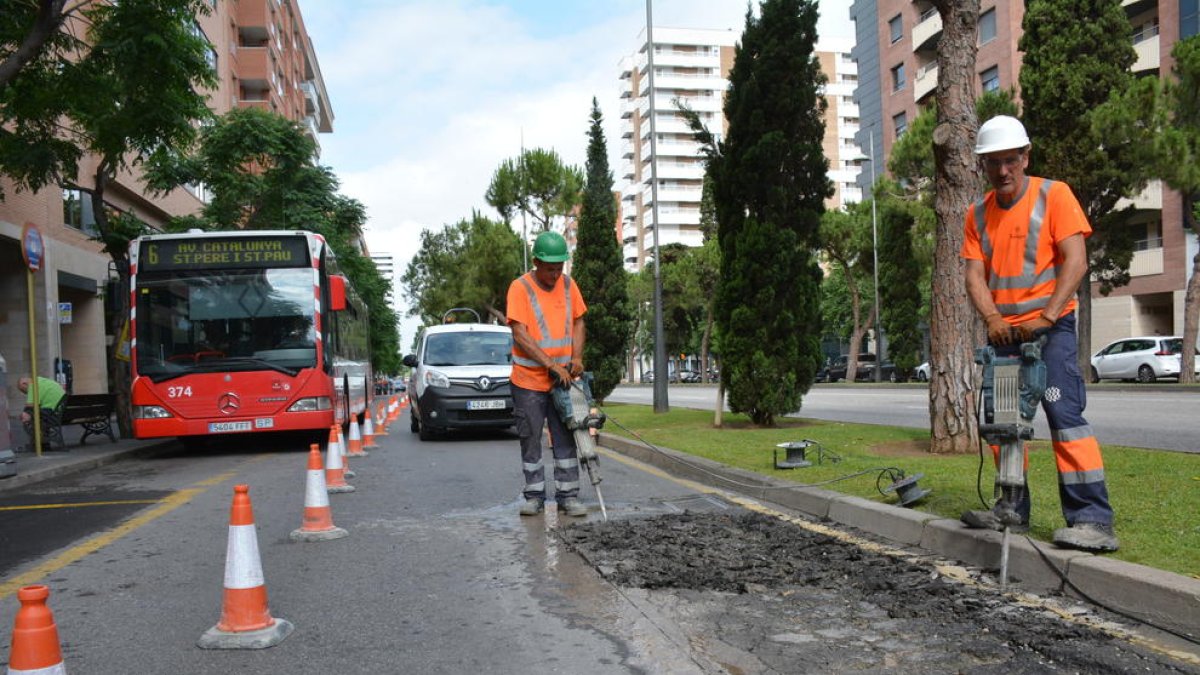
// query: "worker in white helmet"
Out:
[1025,257]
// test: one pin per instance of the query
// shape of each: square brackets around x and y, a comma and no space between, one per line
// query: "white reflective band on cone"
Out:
[243,569]
[56,669]
[315,493]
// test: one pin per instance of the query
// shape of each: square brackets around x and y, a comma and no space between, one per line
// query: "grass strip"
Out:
[1155,493]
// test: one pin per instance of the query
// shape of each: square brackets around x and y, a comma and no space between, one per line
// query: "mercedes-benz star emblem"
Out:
[485,383]
[228,403]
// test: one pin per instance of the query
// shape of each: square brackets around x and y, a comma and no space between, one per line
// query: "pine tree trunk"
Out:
[1191,303]
[954,326]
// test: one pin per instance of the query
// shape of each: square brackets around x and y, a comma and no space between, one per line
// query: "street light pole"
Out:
[875,267]
[661,405]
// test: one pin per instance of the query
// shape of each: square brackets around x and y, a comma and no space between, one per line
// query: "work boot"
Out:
[991,520]
[1096,537]
[572,507]
[531,507]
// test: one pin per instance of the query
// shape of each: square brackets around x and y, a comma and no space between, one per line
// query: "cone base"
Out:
[348,473]
[318,535]
[339,488]
[252,639]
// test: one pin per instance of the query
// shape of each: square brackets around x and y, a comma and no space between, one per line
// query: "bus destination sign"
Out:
[166,255]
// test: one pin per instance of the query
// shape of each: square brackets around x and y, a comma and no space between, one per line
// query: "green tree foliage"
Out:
[261,171]
[438,277]
[598,268]
[537,183]
[899,298]
[1070,68]
[37,69]
[769,180]
[848,292]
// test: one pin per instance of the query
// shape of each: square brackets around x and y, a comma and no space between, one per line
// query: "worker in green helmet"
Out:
[545,312]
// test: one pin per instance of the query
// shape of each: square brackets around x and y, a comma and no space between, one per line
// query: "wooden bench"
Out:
[93,412]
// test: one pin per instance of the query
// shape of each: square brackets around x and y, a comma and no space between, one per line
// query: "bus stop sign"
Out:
[32,247]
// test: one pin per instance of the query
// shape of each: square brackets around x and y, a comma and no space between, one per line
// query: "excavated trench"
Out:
[769,596]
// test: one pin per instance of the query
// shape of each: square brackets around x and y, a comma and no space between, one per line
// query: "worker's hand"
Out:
[26,417]
[575,368]
[560,376]
[999,330]
[1030,328]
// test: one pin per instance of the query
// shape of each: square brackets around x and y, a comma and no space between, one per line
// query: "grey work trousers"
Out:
[533,411]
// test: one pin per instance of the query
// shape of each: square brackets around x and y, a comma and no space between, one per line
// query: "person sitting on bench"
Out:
[50,397]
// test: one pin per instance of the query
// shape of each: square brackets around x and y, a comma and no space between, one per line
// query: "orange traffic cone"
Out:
[393,408]
[246,622]
[318,517]
[341,441]
[335,466]
[355,448]
[368,439]
[381,416]
[35,647]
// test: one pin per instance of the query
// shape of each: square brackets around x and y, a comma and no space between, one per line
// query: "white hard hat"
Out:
[1002,132]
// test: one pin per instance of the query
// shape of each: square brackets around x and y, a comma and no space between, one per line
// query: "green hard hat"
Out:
[550,247]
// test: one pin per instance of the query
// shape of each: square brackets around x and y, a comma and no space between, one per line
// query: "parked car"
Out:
[922,372]
[1144,359]
[835,370]
[866,371]
[689,376]
[460,379]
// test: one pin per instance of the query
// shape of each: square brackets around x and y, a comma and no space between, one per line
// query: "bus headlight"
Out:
[435,379]
[311,404]
[150,412]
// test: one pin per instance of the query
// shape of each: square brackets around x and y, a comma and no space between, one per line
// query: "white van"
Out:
[460,378]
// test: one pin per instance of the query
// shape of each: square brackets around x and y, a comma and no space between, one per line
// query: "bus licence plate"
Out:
[492,404]
[226,427]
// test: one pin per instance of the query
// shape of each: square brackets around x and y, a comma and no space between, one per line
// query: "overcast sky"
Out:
[429,96]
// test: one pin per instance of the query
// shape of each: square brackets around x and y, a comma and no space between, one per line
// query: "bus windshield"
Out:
[225,320]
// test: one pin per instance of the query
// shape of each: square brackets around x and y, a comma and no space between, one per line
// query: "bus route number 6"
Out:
[177,392]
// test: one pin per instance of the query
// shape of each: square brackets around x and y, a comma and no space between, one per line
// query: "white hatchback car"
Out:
[1144,359]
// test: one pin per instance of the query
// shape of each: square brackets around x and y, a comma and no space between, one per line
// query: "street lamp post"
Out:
[661,405]
[875,267]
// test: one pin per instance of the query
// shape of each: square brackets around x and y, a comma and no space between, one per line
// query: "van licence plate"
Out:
[491,404]
[226,427]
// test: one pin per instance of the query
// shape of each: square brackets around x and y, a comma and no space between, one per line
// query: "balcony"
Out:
[927,31]
[926,81]
[1147,261]
[311,104]
[1147,51]
[677,170]
[253,65]
[1149,199]
[684,59]
[673,195]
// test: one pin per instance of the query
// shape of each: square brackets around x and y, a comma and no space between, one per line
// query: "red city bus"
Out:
[248,331]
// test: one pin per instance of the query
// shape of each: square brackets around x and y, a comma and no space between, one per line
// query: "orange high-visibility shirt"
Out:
[548,324]
[1019,245]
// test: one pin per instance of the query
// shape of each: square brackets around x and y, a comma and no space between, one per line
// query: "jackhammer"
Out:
[579,413]
[1012,391]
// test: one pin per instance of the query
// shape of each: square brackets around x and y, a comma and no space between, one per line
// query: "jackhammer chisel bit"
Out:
[584,420]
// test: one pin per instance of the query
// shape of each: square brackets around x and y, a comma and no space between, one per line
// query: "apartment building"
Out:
[386,264]
[896,43]
[691,66]
[264,58]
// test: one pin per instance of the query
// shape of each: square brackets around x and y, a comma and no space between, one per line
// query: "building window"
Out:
[900,124]
[1189,18]
[896,26]
[989,80]
[898,77]
[1145,31]
[987,26]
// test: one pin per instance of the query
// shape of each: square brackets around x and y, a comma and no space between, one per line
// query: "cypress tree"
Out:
[769,187]
[598,268]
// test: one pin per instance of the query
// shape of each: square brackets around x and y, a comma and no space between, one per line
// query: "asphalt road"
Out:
[1142,417]
[438,574]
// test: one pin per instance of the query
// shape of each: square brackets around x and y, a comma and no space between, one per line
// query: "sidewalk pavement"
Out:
[1156,596]
[53,463]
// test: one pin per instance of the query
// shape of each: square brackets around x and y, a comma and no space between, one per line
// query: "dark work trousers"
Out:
[1081,485]
[534,410]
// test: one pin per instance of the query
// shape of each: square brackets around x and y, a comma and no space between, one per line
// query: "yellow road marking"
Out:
[165,506]
[117,502]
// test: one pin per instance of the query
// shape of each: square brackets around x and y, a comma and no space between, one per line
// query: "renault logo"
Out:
[484,383]
[228,403]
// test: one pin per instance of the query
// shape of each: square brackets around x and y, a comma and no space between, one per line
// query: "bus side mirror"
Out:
[337,292]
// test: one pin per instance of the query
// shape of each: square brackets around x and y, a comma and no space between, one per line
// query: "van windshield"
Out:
[468,349]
